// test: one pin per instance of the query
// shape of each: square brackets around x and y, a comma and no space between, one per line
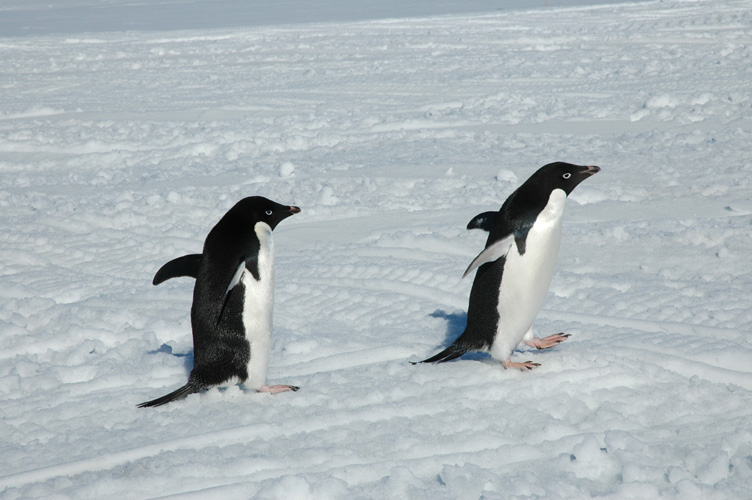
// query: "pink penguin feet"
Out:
[547,342]
[276,389]
[525,365]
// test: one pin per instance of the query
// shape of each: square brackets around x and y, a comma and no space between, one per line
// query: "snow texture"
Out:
[121,147]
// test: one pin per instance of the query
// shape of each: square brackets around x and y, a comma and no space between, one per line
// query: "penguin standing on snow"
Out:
[516,267]
[231,315]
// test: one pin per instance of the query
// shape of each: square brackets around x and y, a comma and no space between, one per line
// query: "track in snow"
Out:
[119,150]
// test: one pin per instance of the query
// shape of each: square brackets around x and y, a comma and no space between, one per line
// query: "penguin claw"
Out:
[526,365]
[548,342]
[276,389]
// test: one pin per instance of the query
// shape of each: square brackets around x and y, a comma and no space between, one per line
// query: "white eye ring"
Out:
[268,212]
[567,175]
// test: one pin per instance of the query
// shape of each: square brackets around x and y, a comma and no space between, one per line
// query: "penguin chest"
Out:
[527,277]
[258,308]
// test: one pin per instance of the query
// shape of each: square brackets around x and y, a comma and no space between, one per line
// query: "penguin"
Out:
[231,315]
[515,268]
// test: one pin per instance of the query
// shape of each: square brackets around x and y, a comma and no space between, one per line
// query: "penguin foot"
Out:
[275,389]
[527,365]
[547,342]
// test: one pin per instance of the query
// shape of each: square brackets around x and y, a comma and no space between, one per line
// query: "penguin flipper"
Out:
[484,221]
[187,265]
[233,283]
[235,279]
[491,253]
[181,393]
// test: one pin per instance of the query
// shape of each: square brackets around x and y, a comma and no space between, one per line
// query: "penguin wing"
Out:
[235,278]
[249,264]
[233,283]
[492,252]
[484,221]
[187,265]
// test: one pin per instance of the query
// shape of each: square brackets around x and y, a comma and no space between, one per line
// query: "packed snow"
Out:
[121,147]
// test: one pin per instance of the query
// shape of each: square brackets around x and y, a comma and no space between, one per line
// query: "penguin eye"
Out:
[268,212]
[567,175]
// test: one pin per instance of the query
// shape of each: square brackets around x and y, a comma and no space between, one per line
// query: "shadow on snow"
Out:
[456,323]
[166,349]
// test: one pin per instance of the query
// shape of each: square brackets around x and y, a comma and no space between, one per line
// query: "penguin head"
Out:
[260,209]
[560,175]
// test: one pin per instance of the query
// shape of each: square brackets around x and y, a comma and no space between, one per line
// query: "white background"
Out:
[125,136]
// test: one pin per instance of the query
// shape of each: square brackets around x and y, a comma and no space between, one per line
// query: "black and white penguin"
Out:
[233,299]
[516,267]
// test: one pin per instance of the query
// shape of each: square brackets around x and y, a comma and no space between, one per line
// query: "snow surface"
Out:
[120,149]
[25,17]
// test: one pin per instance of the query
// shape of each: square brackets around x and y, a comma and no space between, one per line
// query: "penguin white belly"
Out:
[258,308]
[526,278]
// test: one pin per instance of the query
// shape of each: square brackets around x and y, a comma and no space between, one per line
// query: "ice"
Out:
[128,129]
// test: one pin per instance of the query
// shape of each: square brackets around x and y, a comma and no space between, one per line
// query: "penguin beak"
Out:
[296,210]
[592,170]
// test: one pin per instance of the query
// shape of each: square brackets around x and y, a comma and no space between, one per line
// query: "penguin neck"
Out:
[266,250]
[553,212]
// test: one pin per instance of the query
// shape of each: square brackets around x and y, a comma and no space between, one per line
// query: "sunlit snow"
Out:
[122,144]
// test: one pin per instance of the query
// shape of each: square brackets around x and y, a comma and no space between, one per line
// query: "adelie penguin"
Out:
[516,266]
[233,298]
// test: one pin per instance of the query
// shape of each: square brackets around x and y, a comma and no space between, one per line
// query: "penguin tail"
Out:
[183,392]
[454,351]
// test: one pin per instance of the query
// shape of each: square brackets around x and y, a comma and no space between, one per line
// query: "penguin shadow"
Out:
[188,361]
[456,323]
[187,356]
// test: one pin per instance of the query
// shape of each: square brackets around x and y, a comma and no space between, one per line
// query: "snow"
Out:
[121,146]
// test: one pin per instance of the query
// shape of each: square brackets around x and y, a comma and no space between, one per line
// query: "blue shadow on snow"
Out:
[166,349]
[456,323]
